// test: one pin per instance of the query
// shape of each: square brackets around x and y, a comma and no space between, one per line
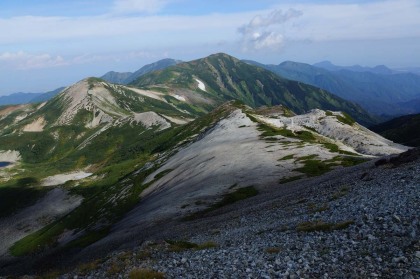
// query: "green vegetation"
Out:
[237,195]
[228,78]
[162,174]
[180,245]
[287,157]
[331,147]
[122,152]
[314,167]
[96,206]
[270,131]
[345,119]
[290,179]
[322,226]
[143,273]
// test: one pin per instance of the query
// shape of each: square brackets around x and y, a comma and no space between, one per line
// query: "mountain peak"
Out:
[227,78]
[222,55]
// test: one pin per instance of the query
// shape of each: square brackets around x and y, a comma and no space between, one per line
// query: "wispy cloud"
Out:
[262,31]
[139,6]
[370,20]
[255,30]
[28,61]
[25,61]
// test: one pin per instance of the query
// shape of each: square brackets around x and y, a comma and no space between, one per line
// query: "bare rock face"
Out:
[353,136]
[232,154]
[9,156]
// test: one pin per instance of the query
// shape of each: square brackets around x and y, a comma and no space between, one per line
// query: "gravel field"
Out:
[360,222]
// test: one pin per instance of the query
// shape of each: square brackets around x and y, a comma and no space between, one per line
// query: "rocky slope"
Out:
[361,222]
[223,160]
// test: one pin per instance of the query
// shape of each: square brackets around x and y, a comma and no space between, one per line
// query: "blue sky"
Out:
[46,44]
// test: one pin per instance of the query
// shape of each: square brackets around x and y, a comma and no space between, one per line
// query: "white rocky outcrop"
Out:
[149,119]
[201,84]
[10,156]
[36,126]
[60,179]
[353,137]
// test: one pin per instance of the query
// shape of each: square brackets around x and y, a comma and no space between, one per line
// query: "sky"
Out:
[46,44]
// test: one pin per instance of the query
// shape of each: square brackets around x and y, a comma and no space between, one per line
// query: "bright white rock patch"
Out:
[10,156]
[201,84]
[179,121]
[148,93]
[36,126]
[353,138]
[179,97]
[150,118]
[63,178]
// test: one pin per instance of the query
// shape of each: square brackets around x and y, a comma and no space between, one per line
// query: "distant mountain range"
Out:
[26,98]
[380,69]
[127,77]
[379,90]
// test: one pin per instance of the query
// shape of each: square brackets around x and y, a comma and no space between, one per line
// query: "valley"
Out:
[104,167]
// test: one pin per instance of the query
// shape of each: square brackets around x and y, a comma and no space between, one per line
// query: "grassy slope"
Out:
[227,78]
[106,200]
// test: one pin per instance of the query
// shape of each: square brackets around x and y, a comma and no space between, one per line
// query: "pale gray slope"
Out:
[229,156]
[55,204]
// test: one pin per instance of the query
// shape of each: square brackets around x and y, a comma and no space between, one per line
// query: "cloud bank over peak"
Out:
[264,31]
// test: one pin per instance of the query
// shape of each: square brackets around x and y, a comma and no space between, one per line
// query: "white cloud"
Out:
[27,61]
[389,19]
[322,22]
[139,6]
[258,30]
[24,61]
[262,32]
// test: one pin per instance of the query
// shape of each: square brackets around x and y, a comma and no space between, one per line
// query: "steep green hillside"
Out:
[227,78]
[90,123]
[117,188]
[404,130]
